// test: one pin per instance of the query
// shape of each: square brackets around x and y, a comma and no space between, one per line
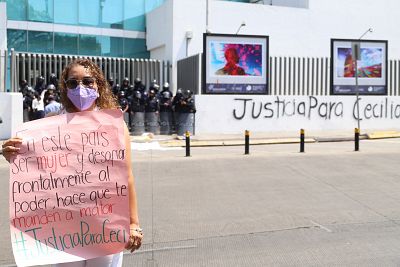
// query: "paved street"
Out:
[330,206]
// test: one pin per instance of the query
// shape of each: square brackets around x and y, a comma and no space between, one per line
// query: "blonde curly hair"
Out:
[106,99]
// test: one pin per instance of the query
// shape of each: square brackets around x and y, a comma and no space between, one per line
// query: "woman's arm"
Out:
[9,147]
[136,234]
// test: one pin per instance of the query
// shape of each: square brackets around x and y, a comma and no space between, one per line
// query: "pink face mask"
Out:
[82,97]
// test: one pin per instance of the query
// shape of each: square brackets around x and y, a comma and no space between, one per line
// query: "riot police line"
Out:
[155,110]
[152,110]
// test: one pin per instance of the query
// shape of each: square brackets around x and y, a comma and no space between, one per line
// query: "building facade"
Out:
[112,28]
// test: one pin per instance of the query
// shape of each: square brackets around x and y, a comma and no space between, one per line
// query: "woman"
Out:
[84,88]
[38,107]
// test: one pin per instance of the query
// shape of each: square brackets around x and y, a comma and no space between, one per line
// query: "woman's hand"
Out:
[135,238]
[9,147]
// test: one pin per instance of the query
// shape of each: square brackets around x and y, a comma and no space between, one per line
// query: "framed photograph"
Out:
[371,65]
[235,64]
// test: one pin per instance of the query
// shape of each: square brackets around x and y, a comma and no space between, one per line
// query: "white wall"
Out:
[227,113]
[11,113]
[292,31]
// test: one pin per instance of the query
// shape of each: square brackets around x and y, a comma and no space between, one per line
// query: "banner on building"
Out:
[372,67]
[235,64]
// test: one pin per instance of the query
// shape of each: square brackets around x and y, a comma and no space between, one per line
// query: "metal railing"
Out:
[28,66]
[190,79]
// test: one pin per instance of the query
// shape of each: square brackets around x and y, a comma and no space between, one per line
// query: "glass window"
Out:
[17,39]
[40,10]
[135,48]
[66,12]
[40,42]
[65,43]
[152,4]
[112,46]
[89,12]
[112,13]
[90,45]
[134,15]
[16,9]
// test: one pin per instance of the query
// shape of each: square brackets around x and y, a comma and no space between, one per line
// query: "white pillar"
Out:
[3,45]
[3,26]
[11,113]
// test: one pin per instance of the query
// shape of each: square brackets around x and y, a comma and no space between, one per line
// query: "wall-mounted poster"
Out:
[235,64]
[372,67]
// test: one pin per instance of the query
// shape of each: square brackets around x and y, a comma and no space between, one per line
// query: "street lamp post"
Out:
[356,51]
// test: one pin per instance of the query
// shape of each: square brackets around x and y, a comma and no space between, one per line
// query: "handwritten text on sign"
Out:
[69,189]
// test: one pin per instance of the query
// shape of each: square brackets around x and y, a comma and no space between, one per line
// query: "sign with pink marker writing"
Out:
[69,189]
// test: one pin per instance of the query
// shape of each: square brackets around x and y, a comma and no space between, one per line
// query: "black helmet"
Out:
[152,92]
[179,92]
[121,94]
[40,79]
[125,81]
[138,95]
[23,83]
[137,81]
[187,93]
[165,86]
[154,86]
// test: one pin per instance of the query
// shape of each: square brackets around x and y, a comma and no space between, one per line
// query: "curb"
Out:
[208,143]
[381,135]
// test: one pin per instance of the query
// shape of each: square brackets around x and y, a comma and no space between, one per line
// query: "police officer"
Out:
[187,109]
[152,109]
[166,120]
[24,88]
[125,85]
[27,94]
[154,86]
[114,87]
[53,80]
[138,85]
[39,86]
[137,108]
[124,104]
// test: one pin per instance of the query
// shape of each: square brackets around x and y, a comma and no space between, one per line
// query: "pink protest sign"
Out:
[69,189]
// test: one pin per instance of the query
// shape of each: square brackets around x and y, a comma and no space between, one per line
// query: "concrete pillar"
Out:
[3,45]
[3,26]
[11,113]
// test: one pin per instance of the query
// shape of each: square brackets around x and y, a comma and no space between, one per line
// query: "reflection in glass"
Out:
[17,39]
[112,47]
[40,42]
[134,18]
[135,48]
[65,43]
[66,12]
[89,12]
[90,45]
[112,13]
[16,9]
[152,4]
[40,10]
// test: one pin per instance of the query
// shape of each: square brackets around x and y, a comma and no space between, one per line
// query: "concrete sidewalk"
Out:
[262,138]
